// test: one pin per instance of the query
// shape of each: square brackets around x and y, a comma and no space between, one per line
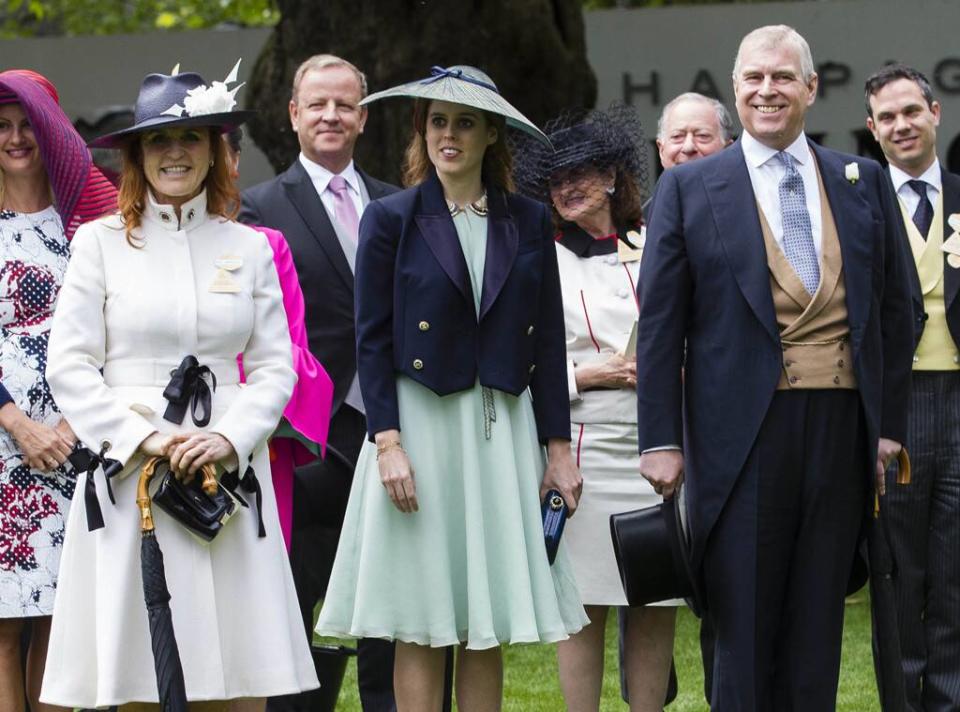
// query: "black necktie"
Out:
[923,215]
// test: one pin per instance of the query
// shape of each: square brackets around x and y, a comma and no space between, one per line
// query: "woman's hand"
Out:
[63,427]
[44,448]
[396,472]
[188,452]
[562,474]
[617,371]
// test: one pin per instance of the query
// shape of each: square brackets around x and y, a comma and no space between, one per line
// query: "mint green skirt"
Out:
[470,566]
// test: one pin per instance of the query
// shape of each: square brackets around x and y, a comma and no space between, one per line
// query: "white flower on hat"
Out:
[852,172]
[213,99]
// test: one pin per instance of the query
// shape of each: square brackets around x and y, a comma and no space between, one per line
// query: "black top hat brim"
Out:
[653,556]
[225,122]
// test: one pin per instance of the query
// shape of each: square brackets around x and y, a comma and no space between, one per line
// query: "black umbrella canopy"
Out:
[166,656]
[883,603]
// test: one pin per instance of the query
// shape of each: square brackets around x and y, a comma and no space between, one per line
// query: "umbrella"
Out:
[883,605]
[166,657]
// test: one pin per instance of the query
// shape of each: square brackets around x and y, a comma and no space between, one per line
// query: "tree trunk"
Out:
[535,50]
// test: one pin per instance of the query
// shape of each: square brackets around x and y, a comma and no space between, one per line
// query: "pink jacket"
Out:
[309,408]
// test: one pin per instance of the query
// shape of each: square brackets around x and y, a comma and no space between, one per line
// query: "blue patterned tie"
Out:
[797,230]
[923,215]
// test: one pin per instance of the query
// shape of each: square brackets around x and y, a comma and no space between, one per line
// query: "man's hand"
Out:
[886,451]
[663,469]
[562,474]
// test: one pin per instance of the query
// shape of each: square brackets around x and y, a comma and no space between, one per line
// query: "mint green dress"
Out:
[470,566]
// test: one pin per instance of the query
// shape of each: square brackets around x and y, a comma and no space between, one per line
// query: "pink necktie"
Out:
[343,207]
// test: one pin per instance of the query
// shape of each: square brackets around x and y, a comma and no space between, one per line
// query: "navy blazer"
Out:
[416,314]
[289,203]
[950,184]
[705,284]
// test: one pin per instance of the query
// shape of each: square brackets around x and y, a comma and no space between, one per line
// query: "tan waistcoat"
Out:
[814,329]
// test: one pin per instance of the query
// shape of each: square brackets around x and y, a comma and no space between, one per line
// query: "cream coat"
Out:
[135,313]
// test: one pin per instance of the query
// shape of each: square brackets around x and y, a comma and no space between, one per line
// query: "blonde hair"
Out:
[323,61]
[223,198]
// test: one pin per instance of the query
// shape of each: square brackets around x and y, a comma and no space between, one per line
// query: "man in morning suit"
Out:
[768,271]
[924,518]
[317,204]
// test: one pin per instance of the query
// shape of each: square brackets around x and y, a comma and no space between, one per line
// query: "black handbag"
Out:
[202,505]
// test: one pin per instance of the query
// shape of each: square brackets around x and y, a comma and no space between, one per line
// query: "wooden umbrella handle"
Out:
[209,483]
[903,469]
[143,492]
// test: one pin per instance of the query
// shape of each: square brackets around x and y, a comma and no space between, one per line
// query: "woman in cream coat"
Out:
[172,276]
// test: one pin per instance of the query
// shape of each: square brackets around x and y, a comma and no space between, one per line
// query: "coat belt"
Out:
[157,372]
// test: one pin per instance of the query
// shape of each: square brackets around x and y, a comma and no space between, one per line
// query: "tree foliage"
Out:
[35,18]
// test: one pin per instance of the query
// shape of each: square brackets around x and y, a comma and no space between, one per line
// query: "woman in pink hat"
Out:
[48,186]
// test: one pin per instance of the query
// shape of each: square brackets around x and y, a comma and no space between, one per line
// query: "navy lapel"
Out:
[301,192]
[375,188]
[951,206]
[856,230]
[436,227]
[734,207]
[502,241]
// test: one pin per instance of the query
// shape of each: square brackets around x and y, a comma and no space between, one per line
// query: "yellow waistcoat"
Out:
[936,350]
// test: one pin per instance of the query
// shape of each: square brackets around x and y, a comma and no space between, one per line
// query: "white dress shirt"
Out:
[321,181]
[766,171]
[908,196]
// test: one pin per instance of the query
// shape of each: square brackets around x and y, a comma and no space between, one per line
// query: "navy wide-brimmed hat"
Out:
[180,99]
[652,547]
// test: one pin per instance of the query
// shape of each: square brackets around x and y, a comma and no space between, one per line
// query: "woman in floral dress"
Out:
[36,482]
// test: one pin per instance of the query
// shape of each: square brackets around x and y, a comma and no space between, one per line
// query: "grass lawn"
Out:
[531,685]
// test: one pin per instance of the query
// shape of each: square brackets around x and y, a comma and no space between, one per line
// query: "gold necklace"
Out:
[478,207]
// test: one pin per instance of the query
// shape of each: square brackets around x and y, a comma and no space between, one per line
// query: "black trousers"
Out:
[777,563]
[924,519]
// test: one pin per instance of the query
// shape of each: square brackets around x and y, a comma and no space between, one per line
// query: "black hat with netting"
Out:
[583,140]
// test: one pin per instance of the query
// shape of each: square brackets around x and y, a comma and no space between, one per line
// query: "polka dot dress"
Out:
[33,505]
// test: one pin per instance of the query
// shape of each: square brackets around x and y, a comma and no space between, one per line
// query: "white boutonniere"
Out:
[852,172]
[214,99]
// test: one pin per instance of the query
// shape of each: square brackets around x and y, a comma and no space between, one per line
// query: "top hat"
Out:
[180,99]
[653,555]
[462,84]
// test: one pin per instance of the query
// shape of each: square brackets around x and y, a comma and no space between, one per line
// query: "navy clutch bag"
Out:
[554,512]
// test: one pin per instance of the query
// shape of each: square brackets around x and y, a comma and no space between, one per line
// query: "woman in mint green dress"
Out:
[461,357]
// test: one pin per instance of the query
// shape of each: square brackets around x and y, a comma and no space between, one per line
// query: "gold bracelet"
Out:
[394,444]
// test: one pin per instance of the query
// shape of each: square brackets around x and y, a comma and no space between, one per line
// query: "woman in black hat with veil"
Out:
[594,183]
